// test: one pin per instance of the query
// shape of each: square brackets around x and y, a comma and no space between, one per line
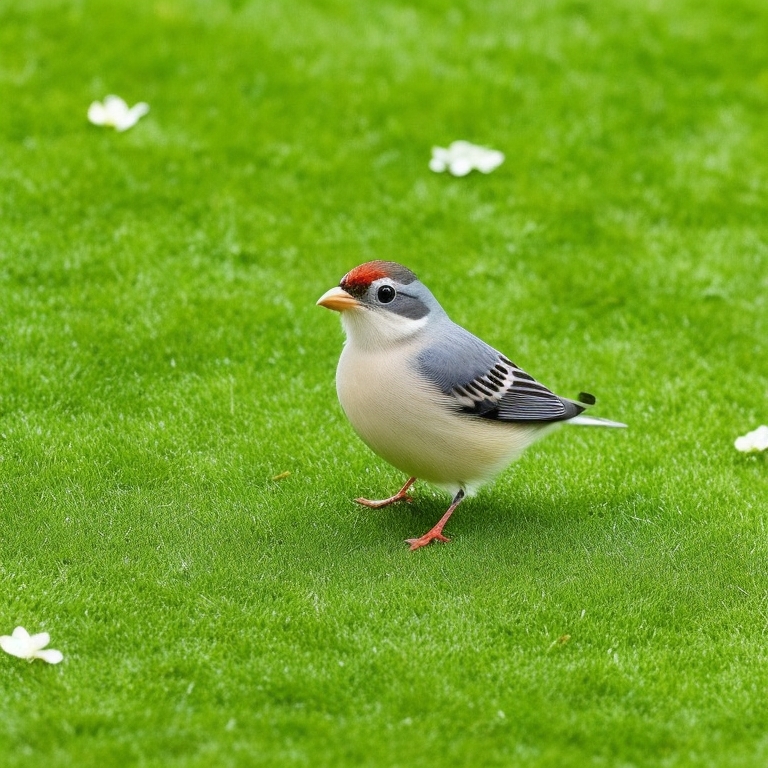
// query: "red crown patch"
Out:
[364,275]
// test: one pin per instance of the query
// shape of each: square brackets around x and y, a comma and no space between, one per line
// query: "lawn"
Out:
[162,361]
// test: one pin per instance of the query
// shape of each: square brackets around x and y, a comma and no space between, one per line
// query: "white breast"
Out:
[411,424]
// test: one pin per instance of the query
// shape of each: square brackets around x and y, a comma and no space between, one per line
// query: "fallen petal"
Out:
[14,646]
[114,104]
[441,157]
[489,161]
[38,641]
[131,116]
[461,147]
[50,655]
[462,157]
[20,633]
[24,646]
[460,166]
[761,437]
[114,112]
[97,114]
[754,441]
[125,122]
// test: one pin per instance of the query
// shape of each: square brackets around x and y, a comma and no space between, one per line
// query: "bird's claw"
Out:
[379,503]
[422,541]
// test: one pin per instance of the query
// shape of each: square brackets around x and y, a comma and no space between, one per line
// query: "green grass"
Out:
[161,360]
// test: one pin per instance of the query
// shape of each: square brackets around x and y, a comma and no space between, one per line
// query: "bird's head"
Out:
[381,302]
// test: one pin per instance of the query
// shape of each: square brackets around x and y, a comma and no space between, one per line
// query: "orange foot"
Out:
[401,495]
[422,541]
[436,532]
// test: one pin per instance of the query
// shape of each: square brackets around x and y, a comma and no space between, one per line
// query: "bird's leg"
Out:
[401,495]
[436,533]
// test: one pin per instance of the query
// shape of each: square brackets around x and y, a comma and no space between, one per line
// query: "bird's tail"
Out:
[591,421]
[594,421]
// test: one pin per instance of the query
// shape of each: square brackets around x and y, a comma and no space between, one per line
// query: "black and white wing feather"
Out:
[508,393]
[484,383]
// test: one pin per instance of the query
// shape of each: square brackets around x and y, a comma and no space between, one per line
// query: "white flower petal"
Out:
[761,435]
[437,165]
[461,157]
[489,161]
[460,166]
[115,109]
[50,655]
[754,441]
[21,645]
[114,112]
[14,646]
[131,116]
[20,633]
[124,122]
[36,642]
[441,159]
[97,114]
[460,148]
[115,104]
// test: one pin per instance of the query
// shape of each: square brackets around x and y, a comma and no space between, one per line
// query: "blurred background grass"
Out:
[161,360]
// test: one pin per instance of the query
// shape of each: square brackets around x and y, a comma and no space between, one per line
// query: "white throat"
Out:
[371,331]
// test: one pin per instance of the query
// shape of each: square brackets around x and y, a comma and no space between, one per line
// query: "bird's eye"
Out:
[386,294]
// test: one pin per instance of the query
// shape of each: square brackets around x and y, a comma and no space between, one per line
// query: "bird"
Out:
[428,396]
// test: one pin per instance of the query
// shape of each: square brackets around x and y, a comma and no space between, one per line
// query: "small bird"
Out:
[428,396]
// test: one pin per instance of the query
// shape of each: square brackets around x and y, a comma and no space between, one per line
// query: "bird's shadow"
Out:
[489,516]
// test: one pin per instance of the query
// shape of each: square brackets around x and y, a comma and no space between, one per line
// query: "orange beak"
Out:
[338,300]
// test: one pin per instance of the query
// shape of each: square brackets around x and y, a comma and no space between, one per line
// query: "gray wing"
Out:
[484,383]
